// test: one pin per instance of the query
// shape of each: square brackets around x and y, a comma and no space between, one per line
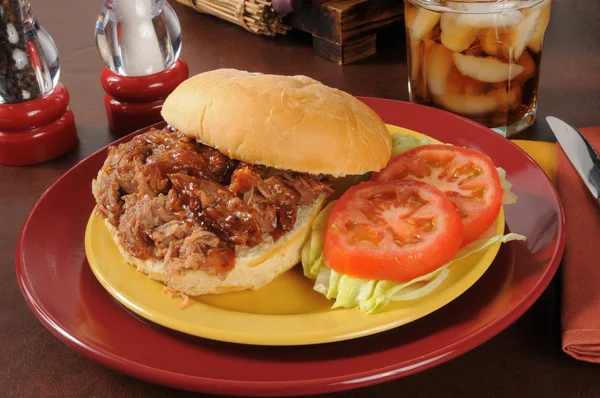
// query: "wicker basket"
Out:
[256,16]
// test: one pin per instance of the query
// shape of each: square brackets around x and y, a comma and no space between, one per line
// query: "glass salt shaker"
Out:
[140,43]
[35,122]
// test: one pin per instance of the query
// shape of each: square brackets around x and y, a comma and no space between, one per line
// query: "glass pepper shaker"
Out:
[140,43]
[36,123]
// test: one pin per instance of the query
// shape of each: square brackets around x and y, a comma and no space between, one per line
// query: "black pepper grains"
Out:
[18,79]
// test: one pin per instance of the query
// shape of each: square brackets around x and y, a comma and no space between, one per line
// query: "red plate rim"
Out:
[301,387]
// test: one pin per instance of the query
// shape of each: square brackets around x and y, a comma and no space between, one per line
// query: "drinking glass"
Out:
[477,58]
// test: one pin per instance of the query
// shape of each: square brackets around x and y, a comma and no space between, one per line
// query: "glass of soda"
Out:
[477,58]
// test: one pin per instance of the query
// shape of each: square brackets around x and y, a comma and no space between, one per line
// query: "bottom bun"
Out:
[253,269]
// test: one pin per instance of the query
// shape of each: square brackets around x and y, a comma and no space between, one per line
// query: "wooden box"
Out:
[345,31]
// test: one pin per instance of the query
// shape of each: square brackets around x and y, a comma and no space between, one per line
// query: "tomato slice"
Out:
[396,230]
[467,177]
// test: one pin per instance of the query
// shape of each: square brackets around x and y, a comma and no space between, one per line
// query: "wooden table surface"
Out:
[524,360]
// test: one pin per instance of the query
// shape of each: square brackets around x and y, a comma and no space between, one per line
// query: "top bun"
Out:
[287,122]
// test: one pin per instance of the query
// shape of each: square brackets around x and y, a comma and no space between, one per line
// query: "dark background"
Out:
[524,360]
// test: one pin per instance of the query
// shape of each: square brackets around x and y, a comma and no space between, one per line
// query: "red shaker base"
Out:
[134,102]
[40,144]
[125,117]
[36,131]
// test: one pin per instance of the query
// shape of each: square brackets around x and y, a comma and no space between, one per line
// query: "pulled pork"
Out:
[174,199]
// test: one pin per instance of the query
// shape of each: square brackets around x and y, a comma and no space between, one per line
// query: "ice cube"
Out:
[492,20]
[454,36]
[519,36]
[466,104]
[428,47]
[493,42]
[410,14]
[419,85]
[510,42]
[486,69]
[416,54]
[472,86]
[456,83]
[507,99]
[419,88]
[440,65]
[528,65]
[424,22]
[537,36]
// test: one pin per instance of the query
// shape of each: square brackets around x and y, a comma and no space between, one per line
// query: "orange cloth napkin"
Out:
[580,309]
[580,270]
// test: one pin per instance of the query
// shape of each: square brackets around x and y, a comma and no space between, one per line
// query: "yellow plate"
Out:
[285,312]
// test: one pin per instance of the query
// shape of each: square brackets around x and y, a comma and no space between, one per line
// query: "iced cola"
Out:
[479,59]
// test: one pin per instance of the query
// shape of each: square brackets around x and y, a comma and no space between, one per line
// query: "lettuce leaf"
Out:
[312,249]
[372,295]
[402,143]
[508,198]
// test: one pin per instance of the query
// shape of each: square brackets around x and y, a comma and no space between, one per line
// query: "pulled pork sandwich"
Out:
[222,199]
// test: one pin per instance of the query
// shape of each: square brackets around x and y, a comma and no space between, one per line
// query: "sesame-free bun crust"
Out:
[253,269]
[287,122]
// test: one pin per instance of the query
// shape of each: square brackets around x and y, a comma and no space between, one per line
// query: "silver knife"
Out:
[580,153]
